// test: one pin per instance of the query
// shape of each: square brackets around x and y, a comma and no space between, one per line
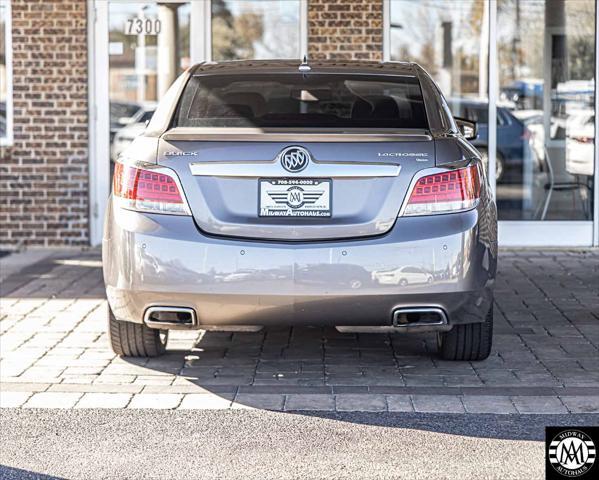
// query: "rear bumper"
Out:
[160,260]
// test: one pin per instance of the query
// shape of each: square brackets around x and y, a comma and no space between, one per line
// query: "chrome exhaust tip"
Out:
[420,319]
[172,318]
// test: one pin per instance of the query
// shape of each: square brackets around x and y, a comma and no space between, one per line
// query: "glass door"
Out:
[149,46]
[449,39]
[544,126]
[546,118]
[139,48]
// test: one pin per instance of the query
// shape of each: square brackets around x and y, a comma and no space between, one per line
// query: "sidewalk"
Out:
[54,351]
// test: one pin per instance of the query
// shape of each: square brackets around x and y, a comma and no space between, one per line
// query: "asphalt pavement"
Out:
[258,444]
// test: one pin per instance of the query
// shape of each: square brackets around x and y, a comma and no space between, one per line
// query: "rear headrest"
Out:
[220,110]
[377,106]
[385,107]
[361,109]
[253,100]
[287,104]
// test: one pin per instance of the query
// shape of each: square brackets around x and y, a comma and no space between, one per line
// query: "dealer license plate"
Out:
[294,197]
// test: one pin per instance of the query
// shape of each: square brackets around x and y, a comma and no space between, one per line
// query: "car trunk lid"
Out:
[232,177]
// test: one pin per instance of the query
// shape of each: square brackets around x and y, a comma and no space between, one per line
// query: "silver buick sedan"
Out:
[278,193]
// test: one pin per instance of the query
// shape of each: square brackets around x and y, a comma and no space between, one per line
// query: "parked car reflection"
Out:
[342,274]
[525,94]
[580,143]
[246,274]
[514,138]
[159,271]
[2,119]
[121,114]
[407,275]
[135,127]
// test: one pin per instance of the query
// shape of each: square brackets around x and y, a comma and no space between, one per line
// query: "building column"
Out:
[555,70]
[168,53]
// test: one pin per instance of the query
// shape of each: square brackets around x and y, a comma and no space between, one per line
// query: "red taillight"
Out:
[444,192]
[148,190]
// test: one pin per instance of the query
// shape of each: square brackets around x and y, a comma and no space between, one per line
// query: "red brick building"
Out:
[69,70]
[44,185]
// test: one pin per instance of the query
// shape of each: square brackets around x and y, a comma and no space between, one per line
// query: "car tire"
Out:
[129,339]
[499,163]
[403,282]
[468,342]
[499,167]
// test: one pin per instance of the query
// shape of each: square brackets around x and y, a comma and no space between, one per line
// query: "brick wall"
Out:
[44,174]
[345,29]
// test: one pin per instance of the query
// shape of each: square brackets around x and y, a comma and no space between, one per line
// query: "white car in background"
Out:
[128,133]
[533,119]
[407,275]
[580,141]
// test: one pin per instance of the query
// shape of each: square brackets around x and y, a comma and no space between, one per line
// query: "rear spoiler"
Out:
[295,135]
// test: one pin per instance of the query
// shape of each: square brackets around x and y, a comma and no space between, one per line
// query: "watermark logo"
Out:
[571,452]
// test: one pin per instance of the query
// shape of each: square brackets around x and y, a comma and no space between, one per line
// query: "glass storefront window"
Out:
[545,119]
[149,47]
[449,40]
[546,63]
[247,29]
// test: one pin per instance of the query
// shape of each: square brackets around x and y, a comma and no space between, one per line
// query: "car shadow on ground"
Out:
[477,425]
[305,360]
[251,370]
[7,473]
[305,370]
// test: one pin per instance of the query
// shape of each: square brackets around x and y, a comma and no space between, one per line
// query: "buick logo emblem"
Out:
[294,159]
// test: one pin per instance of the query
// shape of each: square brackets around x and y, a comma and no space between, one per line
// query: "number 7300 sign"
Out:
[142,26]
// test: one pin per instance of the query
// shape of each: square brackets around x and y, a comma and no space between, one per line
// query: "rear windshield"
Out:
[296,100]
